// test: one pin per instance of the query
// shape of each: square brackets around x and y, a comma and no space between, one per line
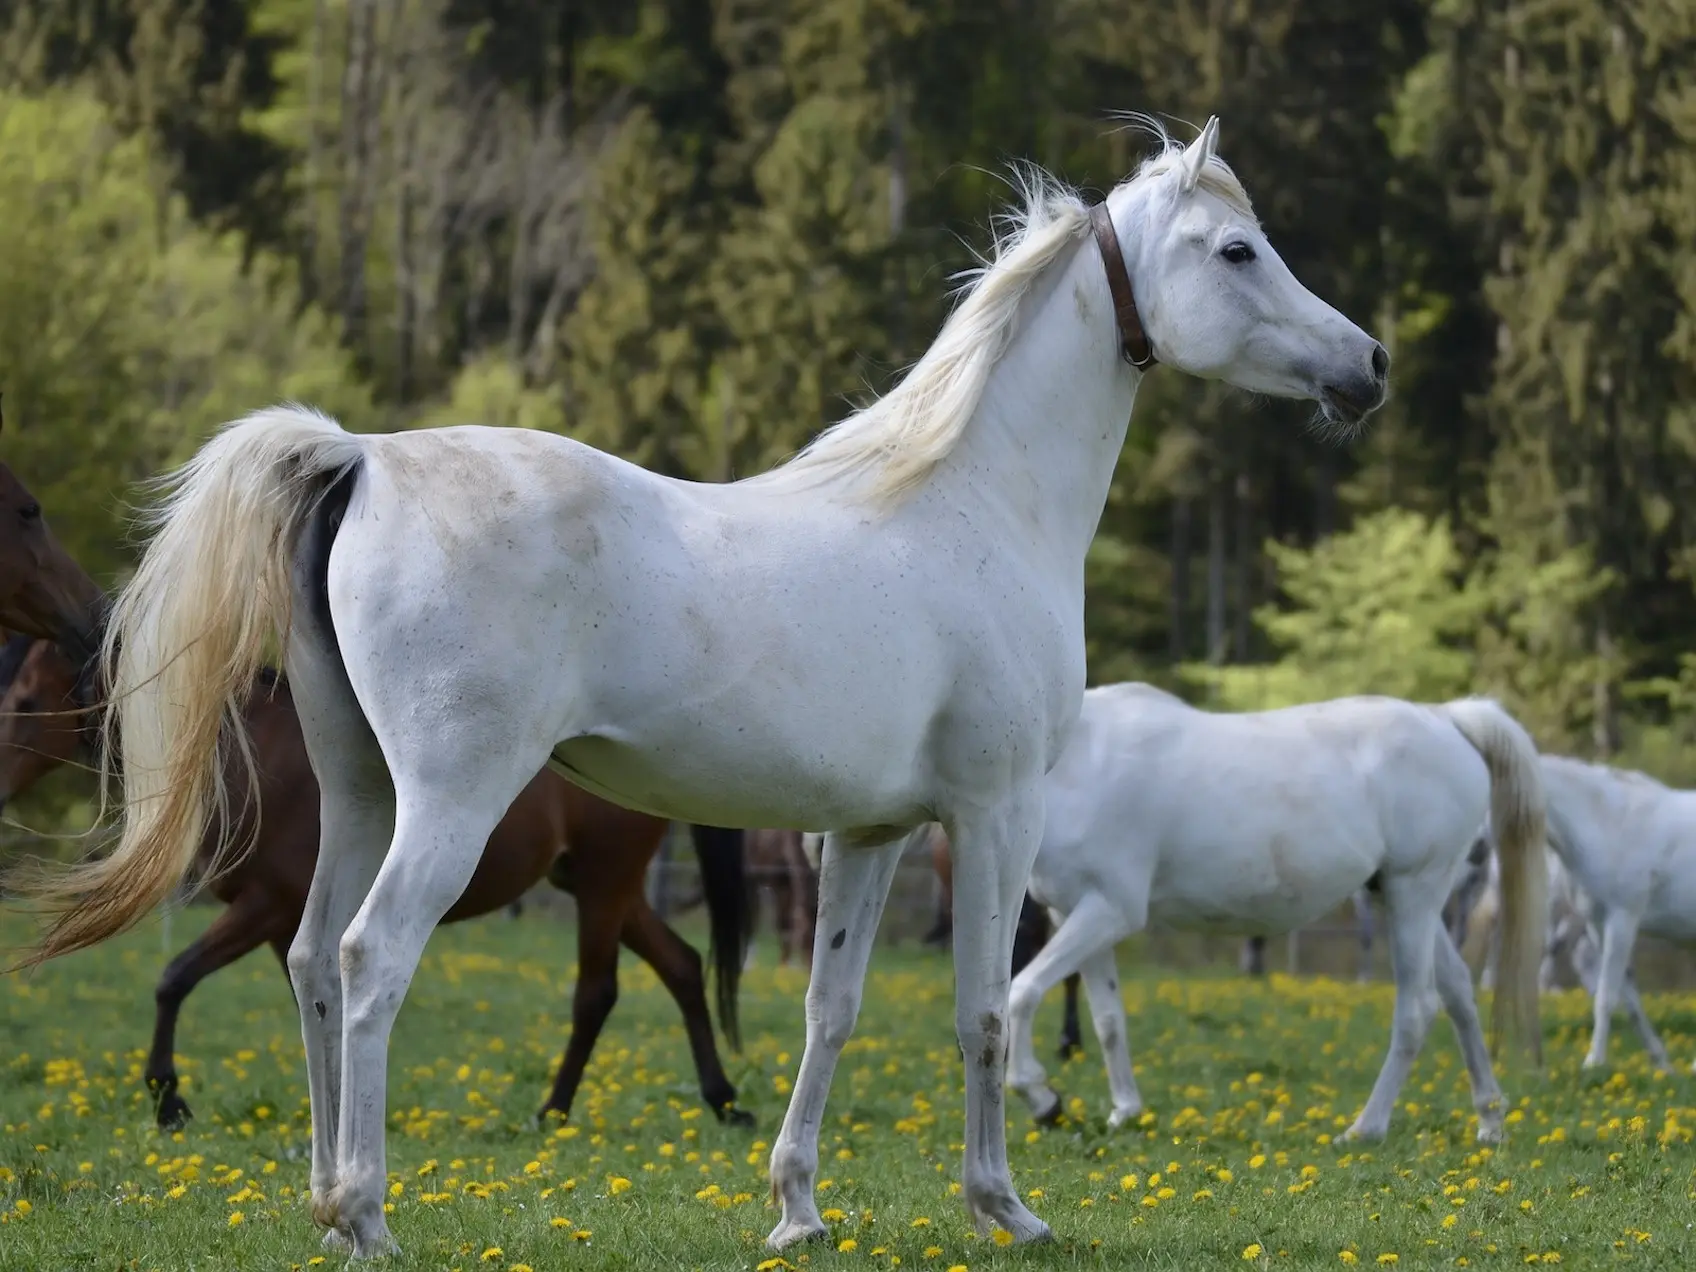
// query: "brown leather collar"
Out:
[1134,345]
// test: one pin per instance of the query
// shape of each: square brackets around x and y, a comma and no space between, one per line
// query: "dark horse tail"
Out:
[730,918]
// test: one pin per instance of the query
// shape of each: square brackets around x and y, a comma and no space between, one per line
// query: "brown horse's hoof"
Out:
[170,1110]
[732,1116]
[1070,1048]
[548,1115]
[1055,1114]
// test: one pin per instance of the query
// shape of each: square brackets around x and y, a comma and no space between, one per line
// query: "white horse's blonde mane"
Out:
[896,442]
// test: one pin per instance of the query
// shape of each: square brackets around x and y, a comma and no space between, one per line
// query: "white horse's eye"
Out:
[1238,253]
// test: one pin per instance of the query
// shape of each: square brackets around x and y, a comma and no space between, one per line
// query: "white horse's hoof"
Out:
[794,1231]
[1362,1134]
[337,1242]
[1118,1117]
[1491,1133]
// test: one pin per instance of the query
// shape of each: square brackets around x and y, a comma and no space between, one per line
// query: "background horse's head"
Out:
[42,590]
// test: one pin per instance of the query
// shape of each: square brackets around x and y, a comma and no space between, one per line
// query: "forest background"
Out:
[694,232]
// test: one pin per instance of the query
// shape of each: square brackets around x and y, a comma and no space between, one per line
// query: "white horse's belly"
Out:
[1261,884]
[1671,913]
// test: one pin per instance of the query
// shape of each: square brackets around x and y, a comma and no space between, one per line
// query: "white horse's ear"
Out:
[1199,152]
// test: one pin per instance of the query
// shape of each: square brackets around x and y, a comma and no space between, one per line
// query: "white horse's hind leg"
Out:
[853,886]
[1454,986]
[992,864]
[1107,1013]
[356,824]
[438,841]
[1619,934]
[1413,923]
[1093,926]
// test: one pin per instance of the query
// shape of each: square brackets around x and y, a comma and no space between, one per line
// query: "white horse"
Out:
[1160,814]
[460,605]
[1630,845]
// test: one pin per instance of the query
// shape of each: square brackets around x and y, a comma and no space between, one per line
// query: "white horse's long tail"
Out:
[210,598]
[1517,821]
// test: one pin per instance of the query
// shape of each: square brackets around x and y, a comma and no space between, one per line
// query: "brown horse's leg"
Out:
[245,925]
[678,964]
[597,992]
[1071,1032]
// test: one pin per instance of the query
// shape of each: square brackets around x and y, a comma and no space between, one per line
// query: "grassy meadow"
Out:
[1233,1165]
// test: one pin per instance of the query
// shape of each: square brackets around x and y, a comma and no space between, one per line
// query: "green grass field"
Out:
[1233,1166]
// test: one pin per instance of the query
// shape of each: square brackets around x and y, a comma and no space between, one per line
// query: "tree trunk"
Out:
[1178,625]
[1215,568]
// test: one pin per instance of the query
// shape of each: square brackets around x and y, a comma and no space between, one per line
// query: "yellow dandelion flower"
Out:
[921,1222]
[1223,1175]
[848,1245]
[582,1234]
[1251,1250]
[23,1206]
[1348,1256]
[931,1252]
[236,1218]
[833,1215]
[491,1254]
[520,1267]
[1257,1161]
[1389,1258]
[1001,1237]
[772,1265]
[958,1267]
[1202,1194]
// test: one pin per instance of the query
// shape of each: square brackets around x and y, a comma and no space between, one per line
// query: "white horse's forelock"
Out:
[896,442]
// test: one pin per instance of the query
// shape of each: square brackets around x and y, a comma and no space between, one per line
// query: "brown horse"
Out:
[597,851]
[1031,934]
[775,861]
[43,592]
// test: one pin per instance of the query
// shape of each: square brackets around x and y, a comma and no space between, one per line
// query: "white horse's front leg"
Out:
[853,886]
[993,852]
[1107,1010]
[1584,962]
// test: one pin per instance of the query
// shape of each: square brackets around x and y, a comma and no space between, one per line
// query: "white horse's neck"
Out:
[1052,419]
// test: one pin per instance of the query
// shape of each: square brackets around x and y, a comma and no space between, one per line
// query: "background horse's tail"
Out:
[185,638]
[730,917]
[1517,824]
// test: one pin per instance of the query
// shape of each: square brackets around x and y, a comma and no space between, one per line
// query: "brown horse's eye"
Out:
[30,512]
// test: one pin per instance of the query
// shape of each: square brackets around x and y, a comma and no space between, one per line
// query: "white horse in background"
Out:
[1629,844]
[1162,815]
[884,632]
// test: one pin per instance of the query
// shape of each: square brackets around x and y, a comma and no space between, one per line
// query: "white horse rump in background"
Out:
[886,631]
[1163,815]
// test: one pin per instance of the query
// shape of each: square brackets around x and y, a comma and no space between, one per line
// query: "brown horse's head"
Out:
[42,591]
[42,718]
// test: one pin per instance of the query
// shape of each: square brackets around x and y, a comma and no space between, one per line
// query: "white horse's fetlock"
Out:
[337,1242]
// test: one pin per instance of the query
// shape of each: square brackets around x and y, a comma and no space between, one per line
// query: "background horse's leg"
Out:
[999,848]
[1585,963]
[1619,934]
[1100,973]
[601,915]
[678,965]
[1363,920]
[853,887]
[1095,925]
[1412,914]
[247,924]
[1252,958]
[1071,1030]
[1454,987]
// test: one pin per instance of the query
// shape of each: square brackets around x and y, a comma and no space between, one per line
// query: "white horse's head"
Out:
[1217,301]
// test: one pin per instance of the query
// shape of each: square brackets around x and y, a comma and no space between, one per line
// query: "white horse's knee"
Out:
[833,1016]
